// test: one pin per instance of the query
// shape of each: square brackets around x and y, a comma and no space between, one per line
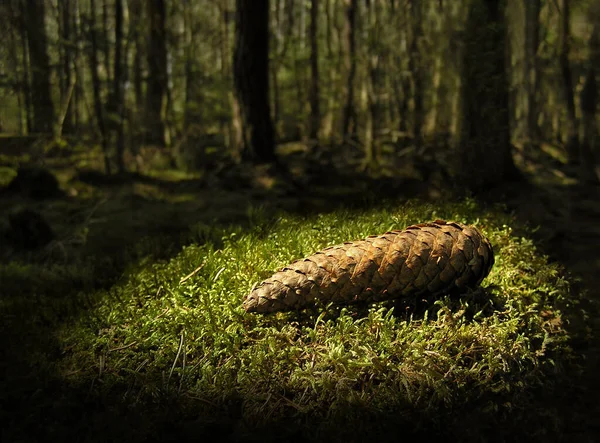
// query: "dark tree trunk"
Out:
[67,69]
[532,42]
[157,74]
[106,40]
[26,80]
[349,118]
[98,108]
[485,157]
[415,67]
[78,96]
[315,112]
[589,100]
[251,79]
[588,103]
[118,88]
[572,143]
[41,99]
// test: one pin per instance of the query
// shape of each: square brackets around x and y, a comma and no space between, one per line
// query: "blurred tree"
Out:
[97,87]
[67,79]
[118,98]
[588,103]
[349,121]
[532,42]
[251,79]
[315,111]
[484,154]
[416,70]
[572,138]
[34,12]
[157,83]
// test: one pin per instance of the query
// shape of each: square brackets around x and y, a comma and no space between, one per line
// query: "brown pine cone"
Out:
[429,258]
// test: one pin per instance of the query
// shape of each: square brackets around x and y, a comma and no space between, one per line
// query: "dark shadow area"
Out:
[564,218]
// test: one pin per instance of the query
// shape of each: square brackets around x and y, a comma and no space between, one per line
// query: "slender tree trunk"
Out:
[485,158]
[349,119]
[189,114]
[67,69]
[251,79]
[78,97]
[588,103]
[572,143]
[532,34]
[26,78]
[157,85]
[589,100]
[315,112]
[118,88]
[328,120]
[232,142]
[41,99]
[94,65]
[106,41]
[415,67]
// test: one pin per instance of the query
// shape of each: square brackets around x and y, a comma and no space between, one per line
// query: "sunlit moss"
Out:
[177,327]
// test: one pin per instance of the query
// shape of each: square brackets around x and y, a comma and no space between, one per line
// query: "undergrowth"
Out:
[172,332]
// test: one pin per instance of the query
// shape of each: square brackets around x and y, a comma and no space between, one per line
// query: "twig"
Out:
[120,348]
[191,274]
[176,358]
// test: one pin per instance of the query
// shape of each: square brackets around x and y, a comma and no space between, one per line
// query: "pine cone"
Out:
[429,258]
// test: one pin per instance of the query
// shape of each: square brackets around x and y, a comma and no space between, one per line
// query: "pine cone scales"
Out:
[430,258]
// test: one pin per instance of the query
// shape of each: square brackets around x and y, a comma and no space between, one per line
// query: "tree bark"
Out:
[572,142]
[532,42]
[118,88]
[415,67]
[315,112]
[588,103]
[67,57]
[41,98]
[484,154]
[251,79]
[157,74]
[349,119]
[97,88]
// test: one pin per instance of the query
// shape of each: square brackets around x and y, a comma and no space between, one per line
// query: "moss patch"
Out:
[175,331]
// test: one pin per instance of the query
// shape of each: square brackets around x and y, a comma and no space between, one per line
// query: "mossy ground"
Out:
[166,350]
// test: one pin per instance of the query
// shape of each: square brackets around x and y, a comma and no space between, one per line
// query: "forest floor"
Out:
[101,219]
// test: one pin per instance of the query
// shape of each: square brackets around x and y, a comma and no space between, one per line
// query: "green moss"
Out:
[177,328]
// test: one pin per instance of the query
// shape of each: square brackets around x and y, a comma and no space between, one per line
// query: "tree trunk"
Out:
[532,41]
[349,119]
[67,70]
[251,79]
[315,112]
[41,99]
[588,103]
[106,41]
[26,78]
[118,88]
[484,154]
[415,67]
[97,87]
[157,85]
[572,143]
[328,119]
[78,97]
